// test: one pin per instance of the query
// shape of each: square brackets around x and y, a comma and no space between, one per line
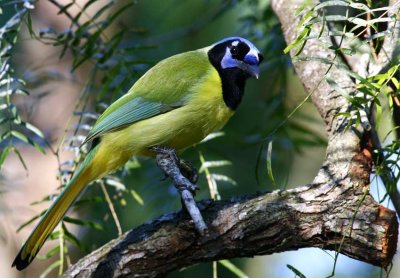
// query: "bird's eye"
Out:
[234,50]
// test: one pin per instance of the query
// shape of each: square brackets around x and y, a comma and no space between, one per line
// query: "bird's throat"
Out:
[233,82]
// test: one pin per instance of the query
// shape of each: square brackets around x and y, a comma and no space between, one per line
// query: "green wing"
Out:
[166,86]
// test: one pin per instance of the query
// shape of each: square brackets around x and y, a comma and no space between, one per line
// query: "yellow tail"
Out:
[86,173]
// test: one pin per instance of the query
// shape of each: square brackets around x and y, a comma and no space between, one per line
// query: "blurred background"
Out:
[154,30]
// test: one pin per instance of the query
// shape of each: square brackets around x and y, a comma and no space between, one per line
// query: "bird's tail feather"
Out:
[54,214]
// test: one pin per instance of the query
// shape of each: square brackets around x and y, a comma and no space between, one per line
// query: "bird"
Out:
[175,104]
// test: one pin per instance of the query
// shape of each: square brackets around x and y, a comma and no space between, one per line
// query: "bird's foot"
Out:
[189,171]
[183,174]
[166,152]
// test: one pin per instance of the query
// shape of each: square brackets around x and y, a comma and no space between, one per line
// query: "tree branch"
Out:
[316,215]
[334,212]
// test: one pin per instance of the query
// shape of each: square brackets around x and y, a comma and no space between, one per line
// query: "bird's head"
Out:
[236,53]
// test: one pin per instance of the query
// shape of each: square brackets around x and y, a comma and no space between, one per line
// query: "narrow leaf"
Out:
[269,164]
[223,178]
[213,164]
[233,268]
[137,197]
[85,223]
[4,154]
[295,271]
[50,268]
[31,220]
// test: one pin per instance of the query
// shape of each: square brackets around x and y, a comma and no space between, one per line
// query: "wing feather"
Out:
[163,88]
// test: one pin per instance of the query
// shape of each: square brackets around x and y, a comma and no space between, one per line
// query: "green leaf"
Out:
[50,268]
[269,164]
[31,220]
[7,92]
[212,136]
[4,154]
[344,50]
[55,235]
[53,251]
[64,9]
[16,151]
[378,113]
[295,271]
[258,162]
[331,4]
[116,183]
[395,82]
[44,199]
[380,34]
[34,129]
[233,268]
[300,40]
[213,164]
[73,239]
[20,136]
[26,139]
[123,202]
[133,163]
[112,17]
[337,88]
[137,197]
[224,178]
[89,200]
[102,10]
[85,223]
[301,8]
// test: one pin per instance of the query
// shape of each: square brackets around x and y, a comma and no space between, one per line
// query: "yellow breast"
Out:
[205,112]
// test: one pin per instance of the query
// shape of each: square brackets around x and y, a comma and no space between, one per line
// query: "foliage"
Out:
[351,28]
[12,128]
[359,28]
[86,41]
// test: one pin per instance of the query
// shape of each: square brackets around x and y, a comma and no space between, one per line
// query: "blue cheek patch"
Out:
[228,61]
[250,60]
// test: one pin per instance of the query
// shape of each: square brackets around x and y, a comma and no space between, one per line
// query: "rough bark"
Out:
[334,212]
[316,215]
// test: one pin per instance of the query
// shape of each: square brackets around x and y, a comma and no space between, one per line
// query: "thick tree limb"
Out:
[316,215]
[334,212]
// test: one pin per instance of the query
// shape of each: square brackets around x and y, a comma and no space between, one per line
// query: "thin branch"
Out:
[168,161]
[111,207]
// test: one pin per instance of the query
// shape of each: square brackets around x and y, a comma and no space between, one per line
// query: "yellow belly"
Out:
[180,128]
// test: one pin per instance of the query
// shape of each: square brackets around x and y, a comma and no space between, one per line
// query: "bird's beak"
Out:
[252,70]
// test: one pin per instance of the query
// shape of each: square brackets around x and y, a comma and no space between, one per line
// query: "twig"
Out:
[111,206]
[168,162]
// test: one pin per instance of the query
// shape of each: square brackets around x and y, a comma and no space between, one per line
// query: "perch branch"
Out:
[169,162]
[316,215]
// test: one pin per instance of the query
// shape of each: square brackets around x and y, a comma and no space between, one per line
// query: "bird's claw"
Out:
[166,151]
[185,167]
[189,171]
[188,186]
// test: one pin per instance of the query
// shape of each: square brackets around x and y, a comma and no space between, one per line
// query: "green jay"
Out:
[175,104]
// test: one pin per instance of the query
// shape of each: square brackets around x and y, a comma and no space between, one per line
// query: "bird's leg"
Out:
[169,162]
[188,171]
[181,172]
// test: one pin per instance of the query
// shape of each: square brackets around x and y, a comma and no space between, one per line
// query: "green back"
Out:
[166,86]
